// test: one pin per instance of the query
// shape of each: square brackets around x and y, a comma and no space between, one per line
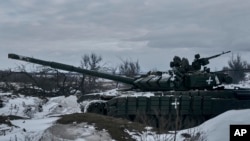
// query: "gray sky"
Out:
[151,31]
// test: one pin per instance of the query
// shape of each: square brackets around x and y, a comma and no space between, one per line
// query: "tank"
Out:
[189,93]
[182,77]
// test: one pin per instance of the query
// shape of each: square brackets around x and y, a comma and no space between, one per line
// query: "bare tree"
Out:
[90,62]
[4,78]
[129,68]
[42,81]
[236,67]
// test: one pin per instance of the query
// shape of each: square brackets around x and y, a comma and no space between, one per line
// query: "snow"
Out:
[116,92]
[59,106]
[27,106]
[216,129]
[28,129]
[112,92]
[19,107]
[149,135]
[39,124]
[166,75]
[86,104]
[132,93]
[76,132]
[41,115]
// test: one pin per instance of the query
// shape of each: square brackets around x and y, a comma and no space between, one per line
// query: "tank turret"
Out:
[182,77]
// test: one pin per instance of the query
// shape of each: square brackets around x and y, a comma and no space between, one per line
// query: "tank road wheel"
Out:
[97,107]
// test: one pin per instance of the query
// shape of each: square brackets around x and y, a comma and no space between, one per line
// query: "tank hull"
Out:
[190,108]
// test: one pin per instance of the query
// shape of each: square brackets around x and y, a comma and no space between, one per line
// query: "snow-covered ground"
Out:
[41,115]
[31,129]
[217,129]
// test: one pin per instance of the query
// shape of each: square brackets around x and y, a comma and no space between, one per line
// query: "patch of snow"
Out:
[30,107]
[39,120]
[149,135]
[156,77]
[85,104]
[75,132]
[19,105]
[31,129]
[4,94]
[112,92]
[136,94]
[59,106]
[240,85]
[166,75]
[217,129]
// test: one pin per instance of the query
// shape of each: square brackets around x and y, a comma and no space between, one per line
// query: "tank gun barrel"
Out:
[205,61]
[217,55]
[126,80]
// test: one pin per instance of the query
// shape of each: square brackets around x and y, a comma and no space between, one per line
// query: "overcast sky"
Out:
[151,31]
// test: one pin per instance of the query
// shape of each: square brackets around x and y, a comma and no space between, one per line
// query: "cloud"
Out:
[124,28]
[202,25]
